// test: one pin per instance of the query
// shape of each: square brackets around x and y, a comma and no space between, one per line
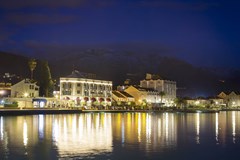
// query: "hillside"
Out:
[117,66]
[14,64]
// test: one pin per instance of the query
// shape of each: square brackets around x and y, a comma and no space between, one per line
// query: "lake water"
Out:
[179,136]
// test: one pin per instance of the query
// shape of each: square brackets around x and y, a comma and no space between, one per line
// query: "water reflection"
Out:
[83,134]
[1,128]
[198,128]
[148,128]
[25,134]
[216,121]
[152,131]
[79,135]
[234,126]
[41,126]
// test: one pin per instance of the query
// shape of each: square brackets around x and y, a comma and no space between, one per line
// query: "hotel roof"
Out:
[116,93]
[126,94]
[77,74]
[145,89]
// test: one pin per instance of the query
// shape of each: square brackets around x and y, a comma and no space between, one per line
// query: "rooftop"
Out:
[126,94]
[145,89]
[77,74]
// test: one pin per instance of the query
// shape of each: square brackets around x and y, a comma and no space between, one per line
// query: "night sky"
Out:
[202,32]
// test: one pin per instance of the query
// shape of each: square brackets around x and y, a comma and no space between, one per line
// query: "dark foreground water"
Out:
[121,136]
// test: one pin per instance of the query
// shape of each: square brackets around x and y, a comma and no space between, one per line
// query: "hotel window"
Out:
[86,86]
[86,93]
[66,92]
[31,87]
[78,92]
[78,84]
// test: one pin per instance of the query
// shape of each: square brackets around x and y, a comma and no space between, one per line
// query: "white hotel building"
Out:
[83,89]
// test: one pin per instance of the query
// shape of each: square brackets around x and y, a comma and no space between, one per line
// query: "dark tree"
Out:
[44,79]
[32,65]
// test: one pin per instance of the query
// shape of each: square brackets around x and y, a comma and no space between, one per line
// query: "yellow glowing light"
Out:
[197,102]
[25,94]
[2,92]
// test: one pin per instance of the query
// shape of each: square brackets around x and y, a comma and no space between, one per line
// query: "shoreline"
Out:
[30,111]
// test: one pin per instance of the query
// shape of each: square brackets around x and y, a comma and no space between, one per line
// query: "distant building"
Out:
[121,96]
[81,89]
[231,99]
[141,94]
[25,88]
[6,81]
[5,89]
[168,87]
[126,84]
[198,102]
[222,95]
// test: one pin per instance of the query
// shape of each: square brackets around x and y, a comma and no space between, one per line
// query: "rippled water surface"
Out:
[121,136]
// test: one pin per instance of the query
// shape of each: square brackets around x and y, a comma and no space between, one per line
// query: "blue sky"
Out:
[204,33]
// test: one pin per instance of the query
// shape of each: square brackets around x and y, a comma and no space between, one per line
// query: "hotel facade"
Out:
[81,89]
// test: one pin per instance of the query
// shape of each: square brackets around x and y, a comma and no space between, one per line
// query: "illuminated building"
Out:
[25,88]
[160,85]
[143,94]
[121,96]
[231,99]
[81,89]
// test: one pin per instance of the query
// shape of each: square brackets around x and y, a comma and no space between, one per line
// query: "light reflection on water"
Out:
[108,135]
[216,121]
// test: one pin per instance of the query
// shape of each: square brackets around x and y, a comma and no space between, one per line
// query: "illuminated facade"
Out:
[143,94]
[121,96]
[168,87]
[230,100]
[25,88]
[79,90]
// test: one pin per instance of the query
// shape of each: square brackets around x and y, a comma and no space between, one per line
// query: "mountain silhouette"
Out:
[119,65]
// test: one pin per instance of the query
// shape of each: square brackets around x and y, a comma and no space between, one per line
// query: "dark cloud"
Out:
[5,33]
[19,4]
[38,18]
[177,5]
[15,4]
